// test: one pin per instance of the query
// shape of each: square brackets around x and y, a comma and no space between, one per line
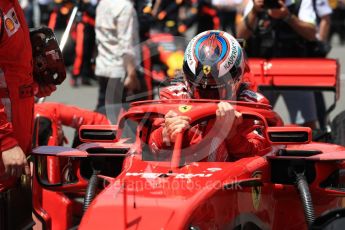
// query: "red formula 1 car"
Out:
[114,181]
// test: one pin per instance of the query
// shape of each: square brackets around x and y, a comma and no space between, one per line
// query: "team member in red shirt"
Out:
[215,68]
[17,89]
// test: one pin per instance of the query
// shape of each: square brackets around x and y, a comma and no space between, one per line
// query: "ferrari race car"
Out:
[114,181]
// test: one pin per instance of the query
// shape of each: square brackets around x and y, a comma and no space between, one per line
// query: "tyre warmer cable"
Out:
[303,189]
[91,189]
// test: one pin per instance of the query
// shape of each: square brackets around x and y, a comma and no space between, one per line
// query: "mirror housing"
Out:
[289,135]
[54,171]
[98,133]
[57,168]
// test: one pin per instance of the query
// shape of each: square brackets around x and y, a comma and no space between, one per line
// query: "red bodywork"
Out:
[182,194]
[47,204]
[317,73]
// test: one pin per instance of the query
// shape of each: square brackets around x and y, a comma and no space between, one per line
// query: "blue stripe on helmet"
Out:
[196,51]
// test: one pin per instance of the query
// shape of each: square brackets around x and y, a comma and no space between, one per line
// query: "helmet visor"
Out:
[216,92]
[209,87]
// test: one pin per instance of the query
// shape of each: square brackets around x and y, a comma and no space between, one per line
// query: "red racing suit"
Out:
[245,144]
[16,82]
[61,114]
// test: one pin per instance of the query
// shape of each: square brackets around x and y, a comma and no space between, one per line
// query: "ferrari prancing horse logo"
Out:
[256,192]
[206,69]
[184,108]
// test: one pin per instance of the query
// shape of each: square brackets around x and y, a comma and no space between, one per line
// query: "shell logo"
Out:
[9,24]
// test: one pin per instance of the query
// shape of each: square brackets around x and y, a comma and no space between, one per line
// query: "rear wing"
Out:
[316,74]
[296,73]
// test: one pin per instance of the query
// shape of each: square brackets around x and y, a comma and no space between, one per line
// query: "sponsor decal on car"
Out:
[149,175]
[184,108]
[214,169]
[256,192]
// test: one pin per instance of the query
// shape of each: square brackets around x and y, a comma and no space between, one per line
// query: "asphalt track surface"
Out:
[86,96]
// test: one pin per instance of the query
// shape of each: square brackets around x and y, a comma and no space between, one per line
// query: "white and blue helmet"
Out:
[214,61]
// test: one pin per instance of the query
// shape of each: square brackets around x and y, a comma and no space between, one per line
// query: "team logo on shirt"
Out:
[11,22]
